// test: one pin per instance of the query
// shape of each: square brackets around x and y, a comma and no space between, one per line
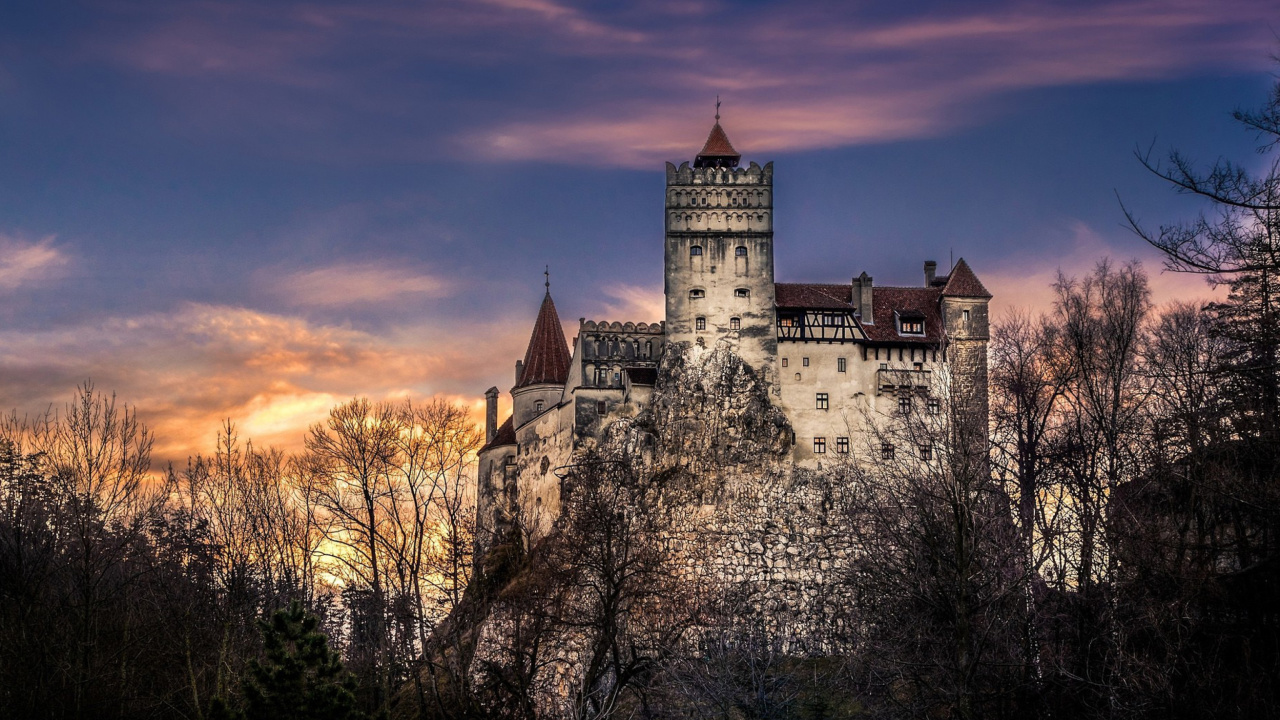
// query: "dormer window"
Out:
[742,293]
[695,251]
[697,293]
[910,322]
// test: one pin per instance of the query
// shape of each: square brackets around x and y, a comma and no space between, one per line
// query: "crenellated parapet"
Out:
[607,349]
[686,174]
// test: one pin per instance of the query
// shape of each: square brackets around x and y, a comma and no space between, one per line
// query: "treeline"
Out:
[125,593]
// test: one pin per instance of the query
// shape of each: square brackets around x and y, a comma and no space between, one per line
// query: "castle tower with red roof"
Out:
[719,253]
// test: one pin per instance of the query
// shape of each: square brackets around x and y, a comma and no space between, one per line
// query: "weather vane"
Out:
[717,108]
[547,272]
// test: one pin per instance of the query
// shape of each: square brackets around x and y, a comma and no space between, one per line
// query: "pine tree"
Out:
[299,678]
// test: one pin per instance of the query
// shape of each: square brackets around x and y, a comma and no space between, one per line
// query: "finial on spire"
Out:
[717,108]
[547,273]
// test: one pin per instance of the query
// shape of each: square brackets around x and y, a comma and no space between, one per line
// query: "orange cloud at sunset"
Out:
[274,375]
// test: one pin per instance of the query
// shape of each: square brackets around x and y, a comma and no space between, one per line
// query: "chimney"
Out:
[930,271]
[519,371]
[862,298]
[490,414]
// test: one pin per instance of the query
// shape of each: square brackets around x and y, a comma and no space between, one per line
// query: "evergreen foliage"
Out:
[299,677]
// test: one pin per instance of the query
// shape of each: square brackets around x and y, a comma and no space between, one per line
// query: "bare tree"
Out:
[937,575]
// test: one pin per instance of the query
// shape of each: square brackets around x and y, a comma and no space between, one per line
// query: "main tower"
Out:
[719,253]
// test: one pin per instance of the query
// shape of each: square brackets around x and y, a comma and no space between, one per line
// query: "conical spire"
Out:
[547,359]
[718,151]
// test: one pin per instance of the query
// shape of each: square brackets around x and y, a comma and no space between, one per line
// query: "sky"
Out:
[247,210]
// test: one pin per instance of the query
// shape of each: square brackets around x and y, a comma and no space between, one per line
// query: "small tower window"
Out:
[742,292]
[804,362]
[842,445]
[601,407]
[784,362]
[886,451]
[735,323]
[741,251]
[840,365]
[695,251]
[904,404]
[822,402]
[819,445]
[700,324]
[537,407]
[697,293]
[964,314]
[926,452]
[935,407]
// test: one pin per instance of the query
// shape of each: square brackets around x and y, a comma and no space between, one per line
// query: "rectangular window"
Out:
[926,452]
[742,292]
[935,406]
[700,324]
[602,377]
[819,445]
[904,404]
[537,407]
[840,365]
[965,315]
[617,379]
[804,362]
[886,451]
[601,407]
[842,445]
[784,362]
[822,401]
[735,323]
[917,366]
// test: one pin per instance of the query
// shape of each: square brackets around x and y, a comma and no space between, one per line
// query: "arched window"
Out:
[697,293]
[695,251]
[740,251]
[648,348]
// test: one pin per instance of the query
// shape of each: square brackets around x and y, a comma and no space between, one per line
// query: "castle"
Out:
[831,355]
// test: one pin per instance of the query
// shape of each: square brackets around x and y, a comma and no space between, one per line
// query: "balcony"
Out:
[890,381]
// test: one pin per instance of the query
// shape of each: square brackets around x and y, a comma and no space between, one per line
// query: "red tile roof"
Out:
[963,283]
[506,435]
[813,295]
[885,301]
[547,359]
[717,147]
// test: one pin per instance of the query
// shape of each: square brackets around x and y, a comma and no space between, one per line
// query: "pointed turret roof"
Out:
[962,282]
[547,359]
[718,151]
